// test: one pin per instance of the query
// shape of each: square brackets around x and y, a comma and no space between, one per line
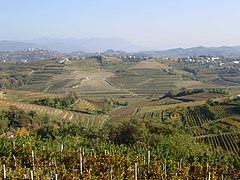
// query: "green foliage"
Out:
[130,133]
[47,131]
[15,118]
[191,70]
[177,92]
[18,118]
[220,91]
[64,102]
[172,93]
[121,146]
[208,111]
[3,125]
[13,80]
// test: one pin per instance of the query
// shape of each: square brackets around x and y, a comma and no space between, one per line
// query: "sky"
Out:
[156,24]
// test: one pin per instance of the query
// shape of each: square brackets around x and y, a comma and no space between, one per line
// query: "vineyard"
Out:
[23,161]
[225,111]
[80,118]
[199,117]
[220,131]
[195,119]
[199,131]
[85,104]
[228,141]
[217,133]
[145,81]
[201,96]
[113,119]
[167,100]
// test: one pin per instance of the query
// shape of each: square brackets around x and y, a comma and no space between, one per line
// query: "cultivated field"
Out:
[84,120]
[191,84]
[145,81]
[86,82]
[115,90]
[150,64]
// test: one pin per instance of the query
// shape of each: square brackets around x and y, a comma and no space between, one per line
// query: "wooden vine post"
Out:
[111,172]
[31,174]
[4,176]
[148,164]
[33,161]
[81,164]
[136,171]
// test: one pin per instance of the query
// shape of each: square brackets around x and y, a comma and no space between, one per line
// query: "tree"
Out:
[130,133]
[3,125]
[18,118]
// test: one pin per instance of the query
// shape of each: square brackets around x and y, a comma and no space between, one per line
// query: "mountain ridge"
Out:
[114,46]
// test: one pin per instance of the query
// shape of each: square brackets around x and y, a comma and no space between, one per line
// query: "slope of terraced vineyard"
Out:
[167,100]
[83,119]
[145,81]
[225,111]
[195,118]
[217,133]
[227,141]
[43,75]
[199,131]
[85,104]
[198,117]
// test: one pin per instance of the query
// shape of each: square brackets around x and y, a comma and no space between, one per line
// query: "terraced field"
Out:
[166,101]
[145,81]
[191,84]
[228,141]
[235,79]
[195,119]
[199,131]
[224,83]
[208,75]
[220,132]
[233,120]
[83,119]
[28,96]
[46,73]
[85,104]
[43,76]
[94,82]
[149,64]
[202,96]
[225,111]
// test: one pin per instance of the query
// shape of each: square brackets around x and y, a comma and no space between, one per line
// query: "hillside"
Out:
[226,51]
[105,116]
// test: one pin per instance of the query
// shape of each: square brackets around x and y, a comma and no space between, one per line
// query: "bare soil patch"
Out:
[93,81]
[150,64]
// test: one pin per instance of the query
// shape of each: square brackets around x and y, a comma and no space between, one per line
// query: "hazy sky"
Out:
[158,24]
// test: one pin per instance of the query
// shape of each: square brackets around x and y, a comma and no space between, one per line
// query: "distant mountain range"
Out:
[91,45]
[226,51]
[114,46]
